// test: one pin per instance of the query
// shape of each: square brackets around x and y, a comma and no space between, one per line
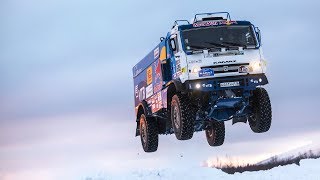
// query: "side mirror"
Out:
[173,46]
[258,32]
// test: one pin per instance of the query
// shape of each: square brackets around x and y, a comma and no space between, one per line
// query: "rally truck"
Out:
[202,73]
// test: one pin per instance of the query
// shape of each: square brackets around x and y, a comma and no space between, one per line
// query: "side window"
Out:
[174,44]
[177,44]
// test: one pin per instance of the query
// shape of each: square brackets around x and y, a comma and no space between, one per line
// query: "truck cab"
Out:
[203,73]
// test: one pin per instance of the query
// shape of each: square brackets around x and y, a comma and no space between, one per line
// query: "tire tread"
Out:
[187,117]
[152,135]
[262,107]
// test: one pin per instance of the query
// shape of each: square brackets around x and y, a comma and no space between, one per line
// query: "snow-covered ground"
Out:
[309,169]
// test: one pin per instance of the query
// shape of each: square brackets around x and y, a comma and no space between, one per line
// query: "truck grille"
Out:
[225,68]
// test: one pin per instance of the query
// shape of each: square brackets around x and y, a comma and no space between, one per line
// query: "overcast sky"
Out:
[66,89]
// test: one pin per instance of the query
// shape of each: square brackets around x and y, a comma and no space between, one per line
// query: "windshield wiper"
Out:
[217,45]
[235,44]
[213,47]
[196,47]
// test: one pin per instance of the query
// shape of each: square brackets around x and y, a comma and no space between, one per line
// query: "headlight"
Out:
[257,66]
[196,69]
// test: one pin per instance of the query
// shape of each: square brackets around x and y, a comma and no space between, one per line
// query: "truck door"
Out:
[175,56]
[165,60]
[157,75]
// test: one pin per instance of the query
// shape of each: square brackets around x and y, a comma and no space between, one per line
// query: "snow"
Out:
[309,169]
[310,147]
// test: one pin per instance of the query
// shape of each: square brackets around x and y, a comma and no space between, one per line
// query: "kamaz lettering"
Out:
[225,62]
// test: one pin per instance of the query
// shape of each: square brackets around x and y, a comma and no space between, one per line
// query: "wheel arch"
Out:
[142,109]
[174,86]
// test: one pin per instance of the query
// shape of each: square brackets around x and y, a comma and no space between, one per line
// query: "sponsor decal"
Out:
[243,69]
[156,102]
[175,67]
[157,87]
[156,53]
[164,99]
[158,77]
[177,71]
[206,72]
[195,61]
[178,66]
[136,91]
[157,67]
[163,53]
[213,23]
[184,70]
[136,70]
[149,91]
[142,94]
[149,75]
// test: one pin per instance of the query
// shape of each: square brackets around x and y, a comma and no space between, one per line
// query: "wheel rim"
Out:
[143,130]
[211,132]
[176,116]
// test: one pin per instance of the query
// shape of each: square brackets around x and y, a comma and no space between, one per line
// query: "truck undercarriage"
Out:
[212,103]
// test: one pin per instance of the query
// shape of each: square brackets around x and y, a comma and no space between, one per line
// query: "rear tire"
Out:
[182,117]
[260,121]
[149,133]
[216,133]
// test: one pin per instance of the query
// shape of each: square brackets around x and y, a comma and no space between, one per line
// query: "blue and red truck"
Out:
[201,74]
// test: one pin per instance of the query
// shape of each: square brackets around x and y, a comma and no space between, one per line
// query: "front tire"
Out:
[149,133]
[216,133]
[182,117]
[260,121]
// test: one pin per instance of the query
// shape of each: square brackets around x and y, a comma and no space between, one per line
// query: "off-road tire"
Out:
[260,121]
[149,133]
[182,117]
[215,133]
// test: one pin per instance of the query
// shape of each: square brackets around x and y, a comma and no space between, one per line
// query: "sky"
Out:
[66,88]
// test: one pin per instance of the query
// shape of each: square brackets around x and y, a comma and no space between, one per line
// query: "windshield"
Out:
[219,37]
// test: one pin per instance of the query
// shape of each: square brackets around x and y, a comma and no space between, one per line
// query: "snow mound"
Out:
[309,149]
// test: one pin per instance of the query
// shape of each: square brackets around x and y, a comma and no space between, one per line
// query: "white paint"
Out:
[149,91]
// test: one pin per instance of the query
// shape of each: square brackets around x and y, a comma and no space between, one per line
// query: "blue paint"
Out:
[207,72]
[249,82]
[140,74]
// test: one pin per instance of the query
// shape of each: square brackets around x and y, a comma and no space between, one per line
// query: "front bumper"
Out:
[246,82]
